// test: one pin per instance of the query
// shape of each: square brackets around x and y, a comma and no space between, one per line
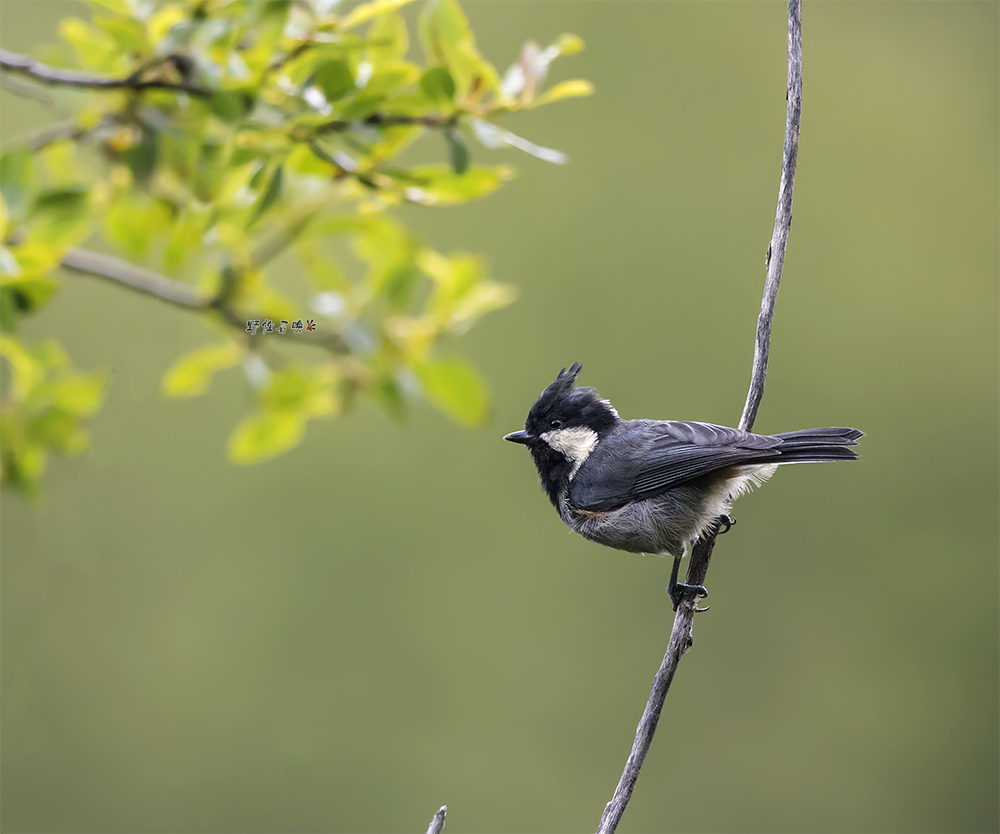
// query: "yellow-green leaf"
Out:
[447,39]
[567,89]
[263,436]
[568,44]
[436,185]
[28,372]
[438,85]
[307,392]
[389,32]
[60,214]
[366,11]
[80,394]
[456,389]
[16,179]
[191,374]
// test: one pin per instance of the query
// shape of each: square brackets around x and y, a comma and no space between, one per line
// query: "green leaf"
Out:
[191,374]
[210,170]
[133,223]
[141,158]
[389,30]
[307,392]
[8,310]
[567,44]
[60,431]
[29,293]
[303,161]
[16,178]
[447,39]
[263,436]
[366,11]
[361,106]
[271,193]
[128,34]
[231,105]
[455,388]
[457,152]
[184,237]
[438,85]
[327,275]
[50,354]
[28,371]
[567,89]
[387,392]
[96,49]
[61,213]
[80,394]
[335,79]
[437,185]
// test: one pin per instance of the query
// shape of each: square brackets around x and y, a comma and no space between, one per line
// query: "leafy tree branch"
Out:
[207,139]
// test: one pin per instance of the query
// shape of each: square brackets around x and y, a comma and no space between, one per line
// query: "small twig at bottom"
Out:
[437,821]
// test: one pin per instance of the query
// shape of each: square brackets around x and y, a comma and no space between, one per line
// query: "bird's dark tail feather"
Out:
[818,445]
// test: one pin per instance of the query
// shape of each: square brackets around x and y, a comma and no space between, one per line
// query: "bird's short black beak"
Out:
[518,437]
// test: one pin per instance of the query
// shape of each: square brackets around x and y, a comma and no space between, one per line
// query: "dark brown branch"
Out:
[437,821]
[390,120]
[681,634]
[44,74]
[283,60]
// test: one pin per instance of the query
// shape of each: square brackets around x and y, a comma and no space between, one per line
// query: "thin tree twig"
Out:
[135,278]
[775,258]
[56,133]
[282,60]
[390,120]
[681,634]
[23,89]
[44,74]
[437,821]
[176,293]
[61,132]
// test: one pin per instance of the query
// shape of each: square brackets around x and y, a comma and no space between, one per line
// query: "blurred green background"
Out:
[389,618]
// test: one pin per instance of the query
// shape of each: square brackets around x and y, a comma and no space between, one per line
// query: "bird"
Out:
[654,486]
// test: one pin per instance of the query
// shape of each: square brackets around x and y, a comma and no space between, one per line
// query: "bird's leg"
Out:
[724,524]
[678,590]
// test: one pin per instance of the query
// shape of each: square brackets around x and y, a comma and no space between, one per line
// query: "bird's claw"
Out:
[680,591]
[726,523]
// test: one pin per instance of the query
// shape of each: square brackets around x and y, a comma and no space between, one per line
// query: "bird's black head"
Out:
[563,427]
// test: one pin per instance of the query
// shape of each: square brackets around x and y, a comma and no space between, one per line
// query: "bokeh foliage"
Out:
[242,131]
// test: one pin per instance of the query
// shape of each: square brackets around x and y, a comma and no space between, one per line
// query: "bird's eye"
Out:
[555,424]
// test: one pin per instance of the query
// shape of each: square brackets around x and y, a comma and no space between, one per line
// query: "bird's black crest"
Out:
[570,405]
[570,375]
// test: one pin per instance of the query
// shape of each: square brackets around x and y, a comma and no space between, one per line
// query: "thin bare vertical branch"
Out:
[681,634]
[775,258]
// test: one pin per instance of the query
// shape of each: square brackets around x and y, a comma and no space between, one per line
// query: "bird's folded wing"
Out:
[654,456]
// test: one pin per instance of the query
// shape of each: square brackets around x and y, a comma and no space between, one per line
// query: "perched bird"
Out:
[653,486]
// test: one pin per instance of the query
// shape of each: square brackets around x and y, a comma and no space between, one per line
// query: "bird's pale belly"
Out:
[639,527]
[664,524]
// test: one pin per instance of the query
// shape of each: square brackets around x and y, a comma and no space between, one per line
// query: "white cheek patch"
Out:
[575,443]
